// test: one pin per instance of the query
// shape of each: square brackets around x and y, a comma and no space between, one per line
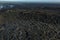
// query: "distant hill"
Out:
[8,5]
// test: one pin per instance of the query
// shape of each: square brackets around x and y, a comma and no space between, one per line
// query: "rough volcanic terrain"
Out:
[29,24]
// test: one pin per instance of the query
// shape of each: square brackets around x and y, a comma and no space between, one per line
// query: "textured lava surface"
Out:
[29,25]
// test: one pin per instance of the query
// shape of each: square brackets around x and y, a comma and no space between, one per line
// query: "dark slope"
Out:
[29,23]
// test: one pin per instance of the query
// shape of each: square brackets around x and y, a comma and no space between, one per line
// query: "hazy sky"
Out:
[34,0]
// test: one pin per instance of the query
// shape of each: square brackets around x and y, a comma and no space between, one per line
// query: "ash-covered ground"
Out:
[25,24]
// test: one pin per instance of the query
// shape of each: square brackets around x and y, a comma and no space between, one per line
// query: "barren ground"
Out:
[25,24]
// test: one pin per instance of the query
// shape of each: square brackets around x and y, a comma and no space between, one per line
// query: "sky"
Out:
[33,0]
